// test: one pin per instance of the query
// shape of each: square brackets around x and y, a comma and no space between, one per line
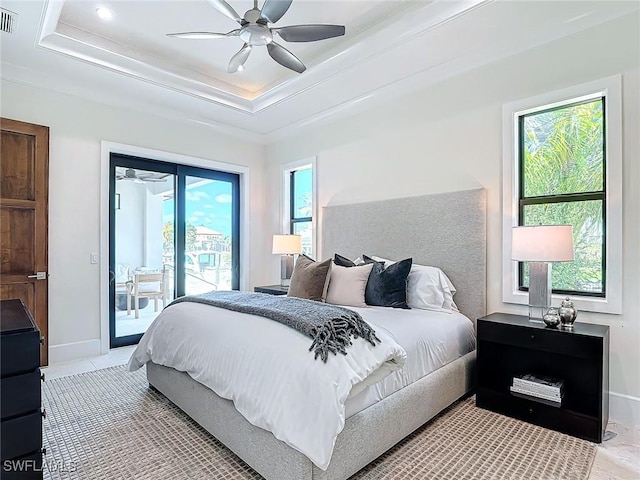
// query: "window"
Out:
[562,182]
[562,165]
[300,207]
[299,202]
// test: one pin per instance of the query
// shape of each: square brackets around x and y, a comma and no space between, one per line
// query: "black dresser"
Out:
[20,404]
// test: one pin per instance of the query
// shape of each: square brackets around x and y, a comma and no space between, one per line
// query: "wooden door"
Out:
[24,221]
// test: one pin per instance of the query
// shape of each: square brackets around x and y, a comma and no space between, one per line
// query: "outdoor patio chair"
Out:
[146,285]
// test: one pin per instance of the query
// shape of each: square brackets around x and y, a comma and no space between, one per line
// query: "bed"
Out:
[443,230]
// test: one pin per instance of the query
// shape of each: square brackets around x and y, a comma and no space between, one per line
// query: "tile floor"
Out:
[616,459]
[116,356]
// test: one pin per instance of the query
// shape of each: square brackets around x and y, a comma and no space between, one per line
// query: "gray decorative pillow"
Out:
[310,279]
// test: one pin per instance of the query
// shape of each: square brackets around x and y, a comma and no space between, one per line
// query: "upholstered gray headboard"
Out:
[446,230]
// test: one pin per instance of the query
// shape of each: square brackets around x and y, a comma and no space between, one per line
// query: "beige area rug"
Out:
[108,424]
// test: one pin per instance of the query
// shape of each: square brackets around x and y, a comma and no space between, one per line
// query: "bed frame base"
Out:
[366,435]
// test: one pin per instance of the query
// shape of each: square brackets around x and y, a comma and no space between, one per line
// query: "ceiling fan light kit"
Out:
[255,32]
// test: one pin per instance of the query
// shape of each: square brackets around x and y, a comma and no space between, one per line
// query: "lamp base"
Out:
[536,313]
[286,270]
[539,290]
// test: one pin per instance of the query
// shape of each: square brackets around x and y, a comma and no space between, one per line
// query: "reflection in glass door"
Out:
[142,234]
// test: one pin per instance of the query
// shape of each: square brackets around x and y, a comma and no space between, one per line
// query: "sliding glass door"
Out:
[211,240]
[174,230]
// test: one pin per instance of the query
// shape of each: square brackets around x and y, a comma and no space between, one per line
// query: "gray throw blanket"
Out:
[331,327]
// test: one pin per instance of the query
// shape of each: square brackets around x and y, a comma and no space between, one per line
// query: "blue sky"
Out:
[207,204]
[303,189]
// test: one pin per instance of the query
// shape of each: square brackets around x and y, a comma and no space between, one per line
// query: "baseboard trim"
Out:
[624,409]
[73,351]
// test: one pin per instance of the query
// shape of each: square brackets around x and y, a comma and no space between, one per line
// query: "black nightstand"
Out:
[511,345]
[272,289]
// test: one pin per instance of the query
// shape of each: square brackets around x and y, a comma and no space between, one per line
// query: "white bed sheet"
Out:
[431,339]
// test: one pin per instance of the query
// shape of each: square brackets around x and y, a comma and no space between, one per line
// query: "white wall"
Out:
[77,128]
[448,137]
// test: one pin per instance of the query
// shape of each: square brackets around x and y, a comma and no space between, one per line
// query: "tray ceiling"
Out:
[391,48]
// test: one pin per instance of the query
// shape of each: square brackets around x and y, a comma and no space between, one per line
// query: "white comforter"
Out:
[265,368]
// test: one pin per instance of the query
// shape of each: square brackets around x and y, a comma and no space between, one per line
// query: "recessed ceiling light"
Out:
[104,13]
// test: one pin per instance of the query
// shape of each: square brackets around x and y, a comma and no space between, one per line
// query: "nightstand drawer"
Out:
[542,339]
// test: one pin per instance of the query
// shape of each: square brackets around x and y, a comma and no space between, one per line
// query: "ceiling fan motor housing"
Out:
[256,35]
[252,15]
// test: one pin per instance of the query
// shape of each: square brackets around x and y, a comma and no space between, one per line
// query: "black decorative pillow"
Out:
[346,262]
[343,261]
[368,259]
[387,287]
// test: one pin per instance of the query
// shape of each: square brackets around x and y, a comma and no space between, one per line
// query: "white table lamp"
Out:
[539,245]
[287,246]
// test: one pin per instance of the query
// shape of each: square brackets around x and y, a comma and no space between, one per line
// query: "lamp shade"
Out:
[542,243]
[287,244]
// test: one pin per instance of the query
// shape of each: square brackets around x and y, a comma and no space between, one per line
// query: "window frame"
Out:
[287,211]
[610,90]
[558,198]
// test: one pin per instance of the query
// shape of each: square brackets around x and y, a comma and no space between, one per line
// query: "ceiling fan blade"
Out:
[273,10]
[203,35]
[226,9]
[285,58]
[237,61]
[309,33]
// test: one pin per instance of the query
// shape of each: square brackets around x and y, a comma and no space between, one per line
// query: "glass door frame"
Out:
[180,173]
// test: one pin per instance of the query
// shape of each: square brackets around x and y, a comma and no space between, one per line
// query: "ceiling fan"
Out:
[254,31]
[140,177]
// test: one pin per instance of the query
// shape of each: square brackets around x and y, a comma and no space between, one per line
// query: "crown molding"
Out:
[84,46]
[59,85]
[371,71]
[438,72]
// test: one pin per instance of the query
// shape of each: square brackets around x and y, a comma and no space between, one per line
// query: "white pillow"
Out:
[347,285]
[428,288]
